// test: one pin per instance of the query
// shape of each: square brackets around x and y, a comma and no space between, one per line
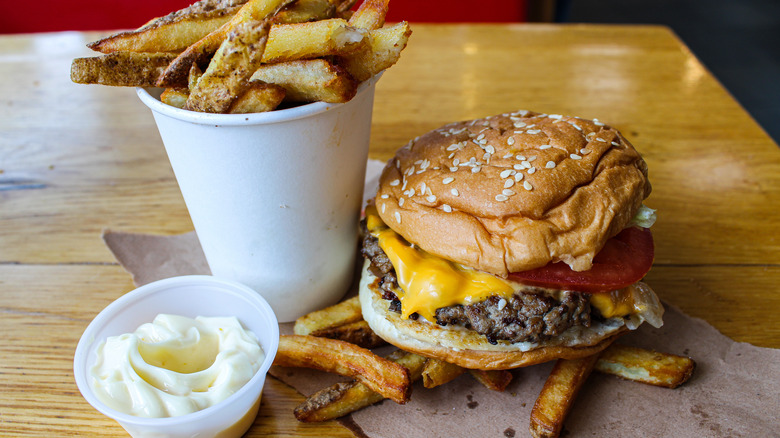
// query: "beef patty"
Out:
[531,316]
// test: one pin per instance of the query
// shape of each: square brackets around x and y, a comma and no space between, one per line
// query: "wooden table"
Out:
[76,160]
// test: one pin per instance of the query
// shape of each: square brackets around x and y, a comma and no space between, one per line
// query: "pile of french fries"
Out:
[337,339]
[246,56]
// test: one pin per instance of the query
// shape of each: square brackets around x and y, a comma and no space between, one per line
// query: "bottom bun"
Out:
[470,349]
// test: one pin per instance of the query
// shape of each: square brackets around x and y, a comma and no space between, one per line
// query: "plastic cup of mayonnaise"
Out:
[190,296]
[274,197]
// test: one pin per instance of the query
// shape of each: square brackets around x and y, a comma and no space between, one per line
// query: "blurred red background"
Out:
[58,15]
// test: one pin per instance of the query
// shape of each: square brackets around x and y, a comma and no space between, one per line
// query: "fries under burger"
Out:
[510,241]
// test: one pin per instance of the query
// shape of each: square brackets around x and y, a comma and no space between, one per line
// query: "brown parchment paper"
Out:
[734,392]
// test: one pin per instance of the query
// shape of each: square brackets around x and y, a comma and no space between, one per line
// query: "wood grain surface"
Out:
[76,160]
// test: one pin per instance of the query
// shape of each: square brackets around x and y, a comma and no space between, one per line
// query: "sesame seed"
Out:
[507,156]
[446,208]
[520,157]
[576,126]
[509,183]
[550,164]
[395,182]
[545,146]
[531,171]
[614,143]
[431,198]
[451,155]
[555,116]
[447,180]
[481,136]
[452,147]
[527,186]
[519,132]
[506,173]
[531,158]
[397,217]
[510,141]
[575,157]
[486,156]
[403,187]
[519,167]
[508,192]
[520,125]
[384,207]
[584,151]
[423,187]
[597,122]
[455,192]
[411,192]
[518,177]
[453,169]
[385,196]
[455,162]
[397,164]
[400,202]
[534,131]
[600,139]
[501,198]
[475,169]
[490,149]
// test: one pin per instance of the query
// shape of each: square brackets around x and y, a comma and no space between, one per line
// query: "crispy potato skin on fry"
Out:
[438,372]
[358,333]
[227,76]
[645,366]
[494,380]
[338,314]
[380,375]
[343,398]
[124,69]
[253,10]
[558,395]
[370,15]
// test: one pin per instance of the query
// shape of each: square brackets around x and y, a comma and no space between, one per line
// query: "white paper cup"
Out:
[191,296]
[274,197]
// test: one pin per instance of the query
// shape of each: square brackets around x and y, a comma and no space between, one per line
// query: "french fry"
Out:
[358,333]
[227,76]
[175,97]
[650,367]
[289,42]
[173,32]
[438,372]
[370,15]
[253,10]
[558,394]
[385,49]
[305,10]
[338,314]
[380,375]
[128,69]
[495,380]
[310,80]
[194,77]
[258,98]
[343,398]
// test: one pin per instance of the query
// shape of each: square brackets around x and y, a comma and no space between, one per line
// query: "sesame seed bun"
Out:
[514,192]
[468,348]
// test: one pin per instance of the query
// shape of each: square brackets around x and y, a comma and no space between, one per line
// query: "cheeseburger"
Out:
[509,241]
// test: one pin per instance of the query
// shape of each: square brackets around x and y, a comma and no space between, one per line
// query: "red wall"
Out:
[57,15]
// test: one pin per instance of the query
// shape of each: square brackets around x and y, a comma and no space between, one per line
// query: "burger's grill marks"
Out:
[523,121]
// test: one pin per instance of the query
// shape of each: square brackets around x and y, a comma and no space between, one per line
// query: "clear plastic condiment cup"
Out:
[191,296]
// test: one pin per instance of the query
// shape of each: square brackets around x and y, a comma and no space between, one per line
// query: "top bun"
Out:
[513,192]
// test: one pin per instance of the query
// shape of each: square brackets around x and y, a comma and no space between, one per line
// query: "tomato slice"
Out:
[623,261]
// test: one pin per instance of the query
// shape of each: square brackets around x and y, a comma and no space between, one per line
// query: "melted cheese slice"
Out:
[429,282]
